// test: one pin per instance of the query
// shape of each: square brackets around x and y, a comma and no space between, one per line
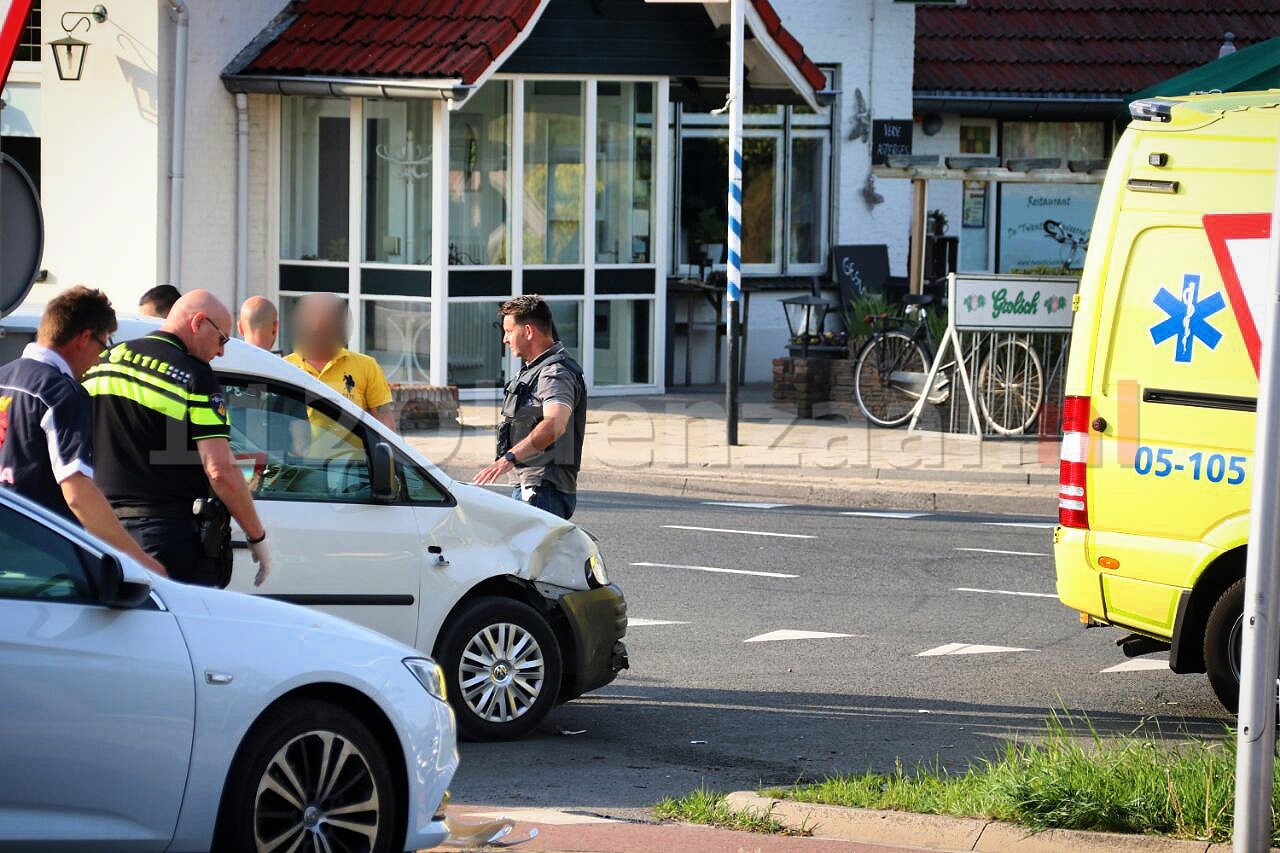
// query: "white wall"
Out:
[106,152]
[219,30]
[100,139]
[872,41]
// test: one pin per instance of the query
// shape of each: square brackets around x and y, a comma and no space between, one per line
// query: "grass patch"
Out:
[1136,784]
[708,808]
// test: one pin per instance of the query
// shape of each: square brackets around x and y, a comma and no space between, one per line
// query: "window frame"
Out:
[362,430]
[823,136]
[786,126]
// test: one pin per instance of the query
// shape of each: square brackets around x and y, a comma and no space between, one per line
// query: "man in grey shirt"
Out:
[544,412]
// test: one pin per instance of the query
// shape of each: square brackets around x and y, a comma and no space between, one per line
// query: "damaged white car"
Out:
[512,602]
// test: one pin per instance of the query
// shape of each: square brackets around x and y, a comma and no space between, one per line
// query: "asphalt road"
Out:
[705,704]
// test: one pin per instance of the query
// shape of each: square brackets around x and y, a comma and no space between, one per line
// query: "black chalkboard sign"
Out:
[889,138]
[860,270]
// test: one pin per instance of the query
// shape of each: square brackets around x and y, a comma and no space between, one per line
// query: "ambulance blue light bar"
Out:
[1155,109]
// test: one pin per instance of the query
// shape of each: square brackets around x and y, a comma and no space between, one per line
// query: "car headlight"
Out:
[597,576]
[429,675]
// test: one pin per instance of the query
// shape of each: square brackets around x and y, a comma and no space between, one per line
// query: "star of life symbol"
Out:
[1188,318]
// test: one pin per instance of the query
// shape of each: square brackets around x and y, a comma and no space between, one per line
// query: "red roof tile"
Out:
[346,38]
[1096,47]
[806,66]
[440,39]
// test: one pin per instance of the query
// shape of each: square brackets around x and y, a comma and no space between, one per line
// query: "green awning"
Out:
[1249,69]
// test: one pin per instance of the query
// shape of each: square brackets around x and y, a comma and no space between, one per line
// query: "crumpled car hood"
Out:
[532,544]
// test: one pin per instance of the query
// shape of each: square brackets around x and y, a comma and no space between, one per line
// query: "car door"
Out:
[97,706]
[334,547]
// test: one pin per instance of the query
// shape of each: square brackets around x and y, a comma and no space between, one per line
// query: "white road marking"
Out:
[1008,553]
[968,649]
[637,622]
[551,817]
[1138,665]
[788,634]
[717,570]
[739,532]
[1006,592]
[873,514]
[1035,525]
[745,504]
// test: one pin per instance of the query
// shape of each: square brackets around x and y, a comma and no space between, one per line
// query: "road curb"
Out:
[942,832]
[936,496]
[947,496]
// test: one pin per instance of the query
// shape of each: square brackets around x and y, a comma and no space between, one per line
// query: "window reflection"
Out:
[479,178]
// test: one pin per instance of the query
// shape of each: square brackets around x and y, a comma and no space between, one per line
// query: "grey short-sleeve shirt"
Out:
[556,384]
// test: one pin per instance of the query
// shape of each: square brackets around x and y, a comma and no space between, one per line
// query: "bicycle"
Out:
[890,371]
[1073,246]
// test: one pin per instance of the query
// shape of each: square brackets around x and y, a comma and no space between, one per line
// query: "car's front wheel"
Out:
[309,776]
[502,668]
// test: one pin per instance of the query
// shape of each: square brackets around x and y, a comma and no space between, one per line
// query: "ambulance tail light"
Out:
[1072,468]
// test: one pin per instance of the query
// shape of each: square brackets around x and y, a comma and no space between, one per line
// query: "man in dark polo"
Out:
[544,412]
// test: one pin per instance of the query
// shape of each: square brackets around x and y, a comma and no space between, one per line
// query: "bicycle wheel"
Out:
[1010,386]
[888,377]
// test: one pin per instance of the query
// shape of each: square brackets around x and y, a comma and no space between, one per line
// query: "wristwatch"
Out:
[511,457]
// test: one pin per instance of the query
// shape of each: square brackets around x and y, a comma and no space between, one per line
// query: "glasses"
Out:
[223,337]
[106,344]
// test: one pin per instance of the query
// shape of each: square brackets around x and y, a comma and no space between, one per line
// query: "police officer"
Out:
[46,417]
[544,412]
[162,440]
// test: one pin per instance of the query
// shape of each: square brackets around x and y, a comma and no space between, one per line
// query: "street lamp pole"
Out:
[734,272]
[1260,640]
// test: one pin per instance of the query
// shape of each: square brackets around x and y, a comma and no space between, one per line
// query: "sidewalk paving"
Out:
[579,832]
[676,444]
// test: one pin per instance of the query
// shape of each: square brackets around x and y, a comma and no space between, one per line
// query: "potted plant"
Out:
[858,316]
[708,235]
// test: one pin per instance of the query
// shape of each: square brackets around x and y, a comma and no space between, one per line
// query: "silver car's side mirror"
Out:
[114,590]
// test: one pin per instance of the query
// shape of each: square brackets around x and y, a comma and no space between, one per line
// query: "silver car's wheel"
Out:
[502,665]
[310,777]
[317,793]
[502,672]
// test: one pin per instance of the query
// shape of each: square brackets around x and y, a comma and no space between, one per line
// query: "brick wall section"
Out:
[421,406]
[803,381]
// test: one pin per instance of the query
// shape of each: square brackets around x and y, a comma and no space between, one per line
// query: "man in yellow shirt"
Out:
[320,348]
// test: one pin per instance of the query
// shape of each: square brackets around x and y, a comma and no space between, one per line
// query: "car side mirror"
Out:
[386,487]
[114,589]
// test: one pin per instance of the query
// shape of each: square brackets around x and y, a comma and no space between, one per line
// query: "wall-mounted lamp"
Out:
[69,52]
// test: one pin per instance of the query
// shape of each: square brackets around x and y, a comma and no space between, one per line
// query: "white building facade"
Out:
[425,209]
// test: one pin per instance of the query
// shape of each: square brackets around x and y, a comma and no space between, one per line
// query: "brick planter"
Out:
[418,406]
[803,381]
[829,382]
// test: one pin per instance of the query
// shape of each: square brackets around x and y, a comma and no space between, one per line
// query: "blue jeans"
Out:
[551,499]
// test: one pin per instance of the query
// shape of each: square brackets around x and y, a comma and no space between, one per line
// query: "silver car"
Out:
[140,714]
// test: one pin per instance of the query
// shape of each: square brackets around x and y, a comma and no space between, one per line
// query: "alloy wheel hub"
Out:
[318,789]
[501,672]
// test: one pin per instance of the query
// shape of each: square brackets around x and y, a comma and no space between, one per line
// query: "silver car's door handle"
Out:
[438,552]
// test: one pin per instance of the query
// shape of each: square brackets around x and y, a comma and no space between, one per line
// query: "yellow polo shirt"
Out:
[354,375]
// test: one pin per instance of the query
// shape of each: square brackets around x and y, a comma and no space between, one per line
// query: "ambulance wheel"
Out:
[502,668]
[1222,645]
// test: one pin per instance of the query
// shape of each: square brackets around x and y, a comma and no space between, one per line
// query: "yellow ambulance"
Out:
[1162,382]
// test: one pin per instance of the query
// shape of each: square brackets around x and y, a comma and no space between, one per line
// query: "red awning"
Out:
[447,48]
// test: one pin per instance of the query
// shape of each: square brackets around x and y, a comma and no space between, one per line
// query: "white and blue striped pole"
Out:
[734,272]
